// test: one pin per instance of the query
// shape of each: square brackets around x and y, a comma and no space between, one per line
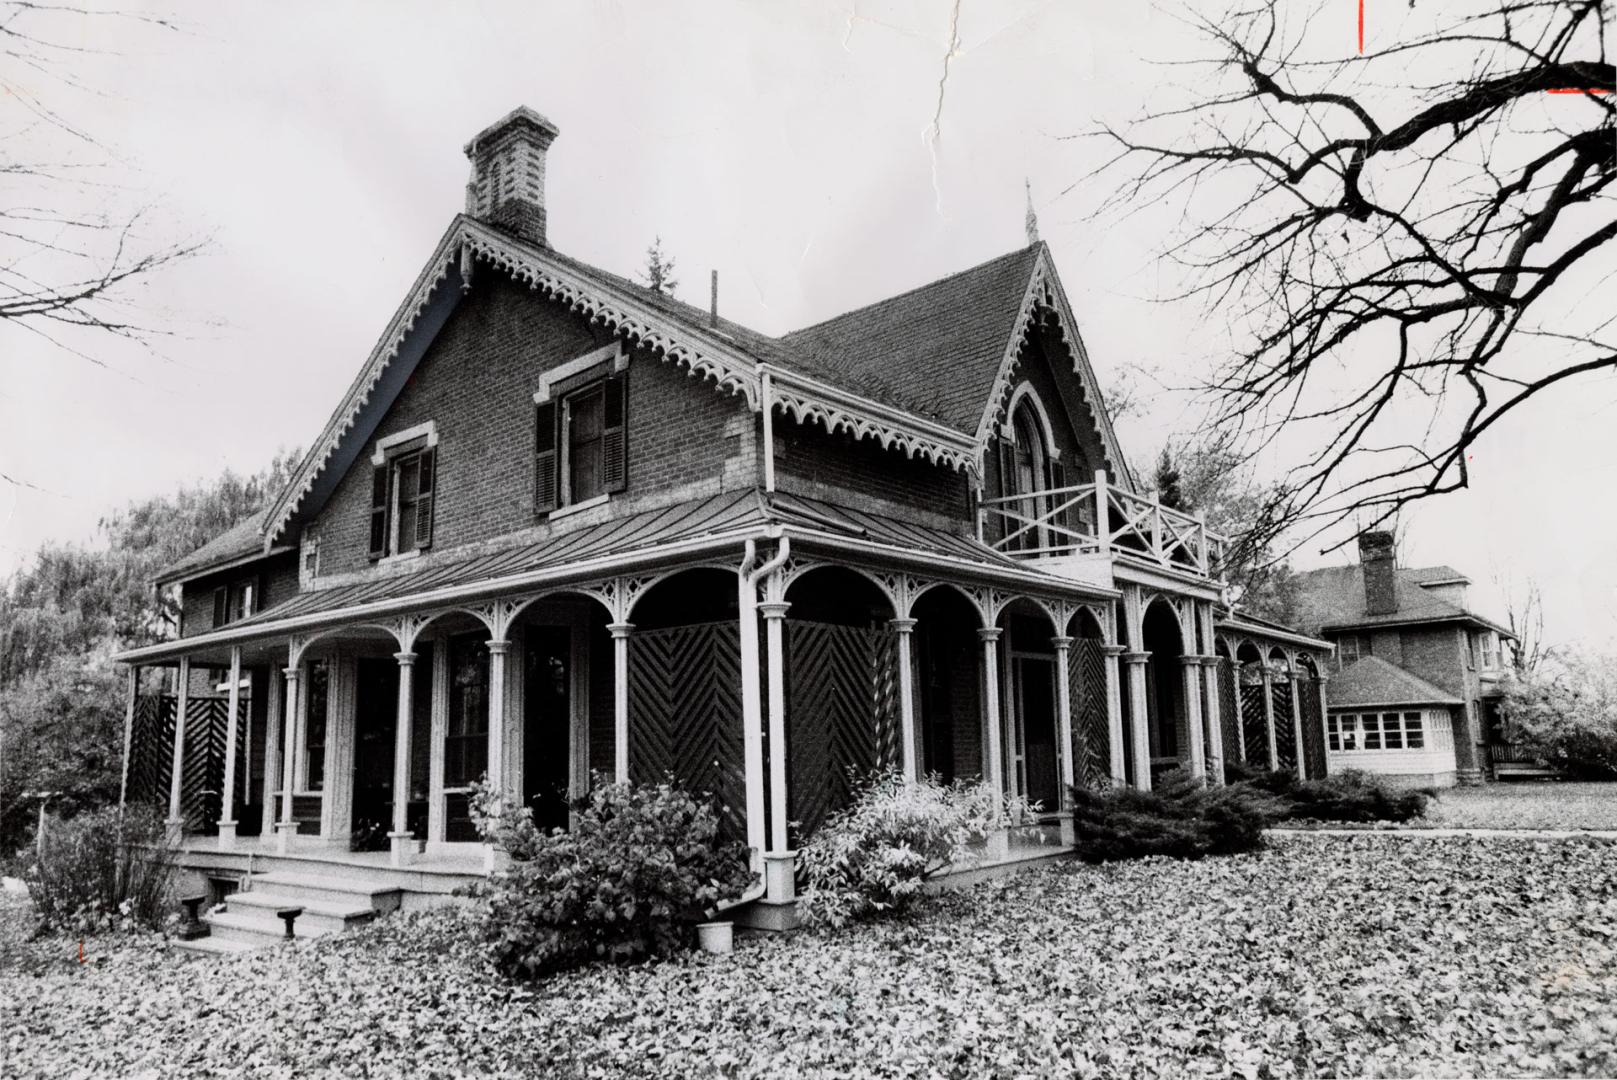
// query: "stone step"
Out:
[327,889]
[334,916]
[214,946]
[256,928]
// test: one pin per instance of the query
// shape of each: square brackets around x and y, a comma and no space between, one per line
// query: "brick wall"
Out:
[476,383]
[277,577]
[862,474]
[1434,653]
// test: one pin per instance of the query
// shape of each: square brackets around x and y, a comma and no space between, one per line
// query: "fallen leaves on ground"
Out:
[1524,805]
[1324,955]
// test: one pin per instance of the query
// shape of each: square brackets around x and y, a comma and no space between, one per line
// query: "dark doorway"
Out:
[1035,680]
[547,724]
[376,697]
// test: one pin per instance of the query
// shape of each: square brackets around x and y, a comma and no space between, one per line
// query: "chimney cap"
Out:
[519,116]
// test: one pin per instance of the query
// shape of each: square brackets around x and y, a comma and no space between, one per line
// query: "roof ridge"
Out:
[1002,257]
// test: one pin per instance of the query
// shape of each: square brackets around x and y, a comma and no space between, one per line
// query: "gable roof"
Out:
[1371,680]
[1333,598]
[240,541]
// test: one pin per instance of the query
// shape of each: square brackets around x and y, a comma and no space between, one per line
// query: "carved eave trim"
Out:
[701,356]
[1044,291]
[444,257]
[804,399]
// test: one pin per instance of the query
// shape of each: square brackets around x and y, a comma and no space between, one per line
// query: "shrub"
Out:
[1567,715]
[107,869]
[1180,817]
[1350,795]
[874,855]
[640,866]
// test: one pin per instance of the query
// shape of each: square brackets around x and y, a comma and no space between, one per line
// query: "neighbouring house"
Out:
[1415,686]
[563,526]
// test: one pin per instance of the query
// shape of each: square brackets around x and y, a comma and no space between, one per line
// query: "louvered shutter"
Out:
[615,434]
[1006,454]
[546,458]
[379,511]
[424,498]
[221,606]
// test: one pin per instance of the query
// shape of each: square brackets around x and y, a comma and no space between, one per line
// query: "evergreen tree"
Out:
[1168,488]
[659,272]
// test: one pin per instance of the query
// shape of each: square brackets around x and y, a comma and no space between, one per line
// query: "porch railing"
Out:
[1099,519]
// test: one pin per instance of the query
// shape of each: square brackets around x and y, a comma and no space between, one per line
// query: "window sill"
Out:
[394,560]
[565,511]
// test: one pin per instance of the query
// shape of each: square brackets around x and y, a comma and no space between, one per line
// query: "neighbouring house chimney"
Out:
[1380,571]
[507,187]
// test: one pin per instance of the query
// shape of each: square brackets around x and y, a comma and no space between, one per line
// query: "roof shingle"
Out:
[1370,680]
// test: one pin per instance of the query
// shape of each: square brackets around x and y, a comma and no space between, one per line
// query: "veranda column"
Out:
[182,696]
[1319,682]
[497,651]
[1297,725]
[401,842]
[1139,721]
[1191,674]
[273,720]
[438,728]
[774,612]
[288,826]
[1063,645]
[227,811]
[1114,714]
[905,629]
[620,632]
[1214,719]
[995,773]
[133,698]
[1269,715]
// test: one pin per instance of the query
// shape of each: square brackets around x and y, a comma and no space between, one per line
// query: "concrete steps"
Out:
[331,904]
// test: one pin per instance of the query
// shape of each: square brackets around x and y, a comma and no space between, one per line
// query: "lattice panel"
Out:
[685,714]
[1257,733]
[1091,731]
[1285,730]
[841,714]
[203,777]
[151,750]
[1228,712]
[1313,730]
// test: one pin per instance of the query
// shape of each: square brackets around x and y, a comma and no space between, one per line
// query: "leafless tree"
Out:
[1411,240]
[1524,615]
[70,253]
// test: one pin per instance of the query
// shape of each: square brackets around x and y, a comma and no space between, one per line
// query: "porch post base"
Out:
[495,858]
[227,835]
[997,846]
[403,848]
[780,876]
[284,832]
[174,831]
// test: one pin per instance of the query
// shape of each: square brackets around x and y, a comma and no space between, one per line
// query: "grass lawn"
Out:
[1526,805]
[1324,955]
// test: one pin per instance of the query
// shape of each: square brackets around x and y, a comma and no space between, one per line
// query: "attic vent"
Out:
[507,185]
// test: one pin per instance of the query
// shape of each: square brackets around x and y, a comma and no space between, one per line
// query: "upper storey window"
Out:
[1029,467]
[581,452]
[402,486]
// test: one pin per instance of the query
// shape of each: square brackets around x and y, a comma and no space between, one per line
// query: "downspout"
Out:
[748,576]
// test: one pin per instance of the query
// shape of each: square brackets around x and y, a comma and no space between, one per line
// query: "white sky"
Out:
[318,146]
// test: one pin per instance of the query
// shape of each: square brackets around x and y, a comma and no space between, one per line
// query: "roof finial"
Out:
[1032,221]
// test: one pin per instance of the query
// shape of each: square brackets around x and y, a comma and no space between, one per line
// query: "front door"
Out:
[1036,724]
[376,696]
[548,721]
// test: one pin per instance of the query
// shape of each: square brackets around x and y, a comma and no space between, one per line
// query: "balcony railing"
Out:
[1099,519]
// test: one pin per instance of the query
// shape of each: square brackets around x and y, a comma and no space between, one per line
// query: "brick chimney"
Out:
[1380,588]
[507,187]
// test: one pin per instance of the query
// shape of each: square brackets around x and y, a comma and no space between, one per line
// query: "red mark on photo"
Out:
[81,950]
[1361,27]
[1579,90]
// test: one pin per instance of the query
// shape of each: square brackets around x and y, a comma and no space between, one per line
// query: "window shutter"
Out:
[545,458]
[221,606]
[1007,466]
[424,498]
[379,511]
[615,434]
[1067,518]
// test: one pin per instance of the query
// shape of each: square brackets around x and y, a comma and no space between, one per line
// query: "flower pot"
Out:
[716,937]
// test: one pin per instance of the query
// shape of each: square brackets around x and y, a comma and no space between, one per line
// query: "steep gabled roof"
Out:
[241,541]
[1371,680]
[1333,597]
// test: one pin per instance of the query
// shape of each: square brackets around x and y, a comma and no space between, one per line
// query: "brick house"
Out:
[1417,673]
[561,525]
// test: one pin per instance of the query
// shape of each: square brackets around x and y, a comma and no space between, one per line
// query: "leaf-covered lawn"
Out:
[1325,955]
[1525,805]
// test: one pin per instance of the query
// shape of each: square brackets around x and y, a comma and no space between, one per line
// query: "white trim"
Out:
[613,352]
[428,430]
[1008,425]
[573,508]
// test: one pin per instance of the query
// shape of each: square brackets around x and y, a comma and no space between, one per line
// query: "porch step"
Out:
[256,929]
[317,889]
[332,916]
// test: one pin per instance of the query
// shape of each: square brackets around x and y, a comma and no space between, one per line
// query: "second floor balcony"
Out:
[1103,521]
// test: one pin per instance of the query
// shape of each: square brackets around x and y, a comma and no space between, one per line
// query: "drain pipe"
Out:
[749,575]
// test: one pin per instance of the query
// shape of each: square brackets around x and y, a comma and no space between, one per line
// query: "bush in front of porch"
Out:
[638,868]
[1349,796]
[108,869]
[1180,817]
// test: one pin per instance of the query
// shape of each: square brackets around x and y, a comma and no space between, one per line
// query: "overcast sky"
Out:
[791,147]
